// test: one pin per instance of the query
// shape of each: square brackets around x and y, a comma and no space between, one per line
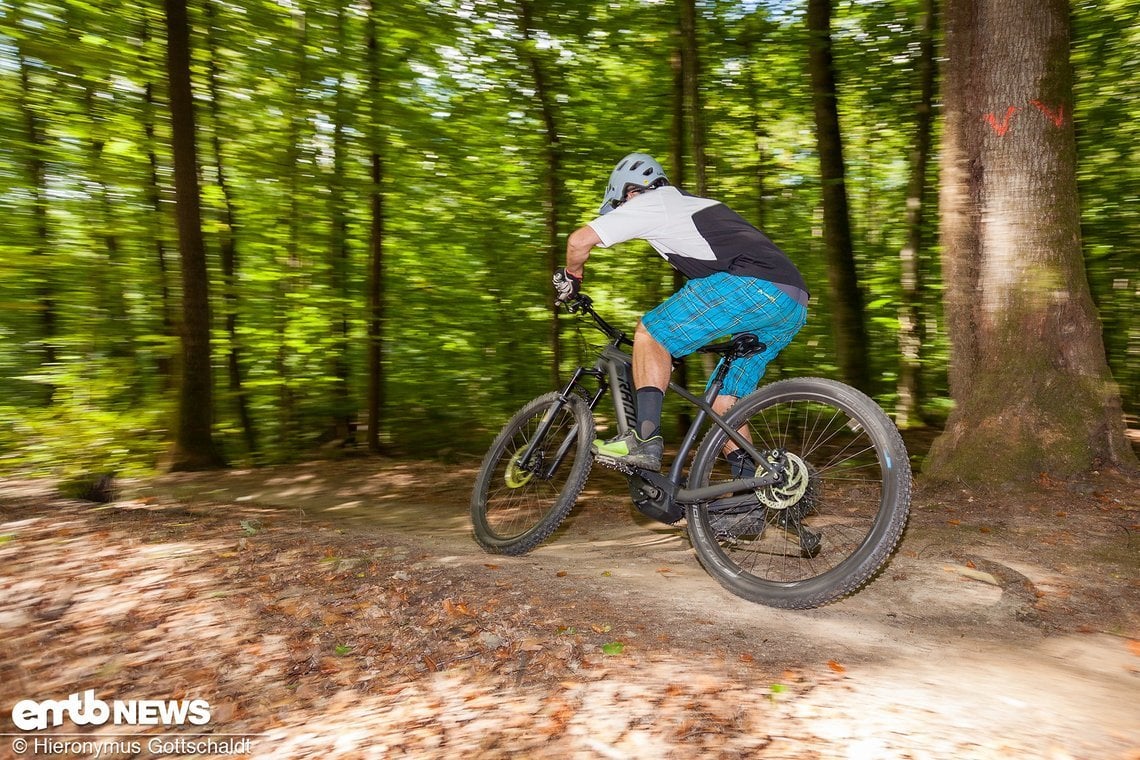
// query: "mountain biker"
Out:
[738,281]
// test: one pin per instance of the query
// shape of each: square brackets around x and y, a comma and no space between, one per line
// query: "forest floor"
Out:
[341,609]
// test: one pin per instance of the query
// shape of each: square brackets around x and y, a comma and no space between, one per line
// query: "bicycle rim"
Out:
[833,523]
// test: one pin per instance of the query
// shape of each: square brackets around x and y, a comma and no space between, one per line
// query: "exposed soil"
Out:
[342,609]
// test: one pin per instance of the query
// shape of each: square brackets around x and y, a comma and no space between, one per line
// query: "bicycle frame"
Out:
[613,370]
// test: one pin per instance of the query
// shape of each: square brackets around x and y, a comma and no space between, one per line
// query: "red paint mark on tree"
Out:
[1002,128]
[1057,117]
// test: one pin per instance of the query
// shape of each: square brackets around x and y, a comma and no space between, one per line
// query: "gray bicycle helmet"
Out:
[637,169]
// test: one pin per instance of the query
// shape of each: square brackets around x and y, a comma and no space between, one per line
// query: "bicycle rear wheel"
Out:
[834,520]
[532,474]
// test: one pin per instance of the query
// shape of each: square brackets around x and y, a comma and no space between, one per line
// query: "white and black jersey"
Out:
[700,237]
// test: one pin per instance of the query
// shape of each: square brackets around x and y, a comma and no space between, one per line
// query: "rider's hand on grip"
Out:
[566,285]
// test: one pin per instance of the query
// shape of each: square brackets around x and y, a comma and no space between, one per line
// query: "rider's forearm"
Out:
[578,247]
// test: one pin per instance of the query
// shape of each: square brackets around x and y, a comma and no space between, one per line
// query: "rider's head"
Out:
[635,173]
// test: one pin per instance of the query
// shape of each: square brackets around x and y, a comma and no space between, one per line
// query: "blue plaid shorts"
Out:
[710,308]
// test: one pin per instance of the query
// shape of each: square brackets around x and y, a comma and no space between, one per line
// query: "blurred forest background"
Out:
[386,186]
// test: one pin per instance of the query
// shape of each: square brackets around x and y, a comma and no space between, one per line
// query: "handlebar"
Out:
[583,303]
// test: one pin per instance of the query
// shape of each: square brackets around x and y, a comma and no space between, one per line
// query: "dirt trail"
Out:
[1005,626]
[1045,663]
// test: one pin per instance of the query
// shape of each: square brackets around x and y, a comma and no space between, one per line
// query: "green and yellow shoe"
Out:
[630,450]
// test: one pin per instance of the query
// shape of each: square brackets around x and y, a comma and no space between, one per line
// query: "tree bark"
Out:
[1032,390]
[847,314]
[908,411]
[376,315]
[194,447]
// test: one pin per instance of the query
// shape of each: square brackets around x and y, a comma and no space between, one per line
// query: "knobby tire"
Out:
[514,509]
[856,497]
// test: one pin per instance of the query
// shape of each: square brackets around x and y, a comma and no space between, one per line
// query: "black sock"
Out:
[649,401]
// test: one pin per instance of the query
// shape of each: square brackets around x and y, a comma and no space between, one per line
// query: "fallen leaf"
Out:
[1134,647]
[836,666]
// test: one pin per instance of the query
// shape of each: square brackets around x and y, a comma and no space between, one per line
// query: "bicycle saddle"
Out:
[744,344]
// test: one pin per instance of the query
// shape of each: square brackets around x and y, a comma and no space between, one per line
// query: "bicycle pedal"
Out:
[614,464]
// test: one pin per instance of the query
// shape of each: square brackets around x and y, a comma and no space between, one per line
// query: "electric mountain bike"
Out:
[815,515]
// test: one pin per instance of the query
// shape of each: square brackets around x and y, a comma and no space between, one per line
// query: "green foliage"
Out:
[89,286]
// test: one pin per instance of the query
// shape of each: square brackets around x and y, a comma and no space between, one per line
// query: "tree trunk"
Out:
[287,402]
[37,184]
[344,412]
[164,362]
[691,109]
[552,149]
[751,36]
[911,318]
[847,298]
[1028,375]
[228,244]
[117,342]
[691,77]
[376,394]
[194,443]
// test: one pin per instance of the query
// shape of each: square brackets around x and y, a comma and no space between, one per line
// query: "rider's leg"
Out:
[643,446]
[721,405]
[739,462]
[652,365]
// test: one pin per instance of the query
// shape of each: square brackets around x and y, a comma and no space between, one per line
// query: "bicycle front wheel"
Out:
[835,517]
[532,474]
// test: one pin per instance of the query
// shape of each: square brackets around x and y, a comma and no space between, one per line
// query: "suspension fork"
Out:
[526,461]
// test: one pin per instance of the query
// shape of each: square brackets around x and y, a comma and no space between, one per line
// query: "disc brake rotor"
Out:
[516,476]
[791,488]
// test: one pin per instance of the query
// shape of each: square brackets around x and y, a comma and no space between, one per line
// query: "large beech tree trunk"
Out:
[194,443]
[1032,388]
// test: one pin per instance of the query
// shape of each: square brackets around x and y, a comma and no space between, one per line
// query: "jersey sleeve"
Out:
[637,218]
